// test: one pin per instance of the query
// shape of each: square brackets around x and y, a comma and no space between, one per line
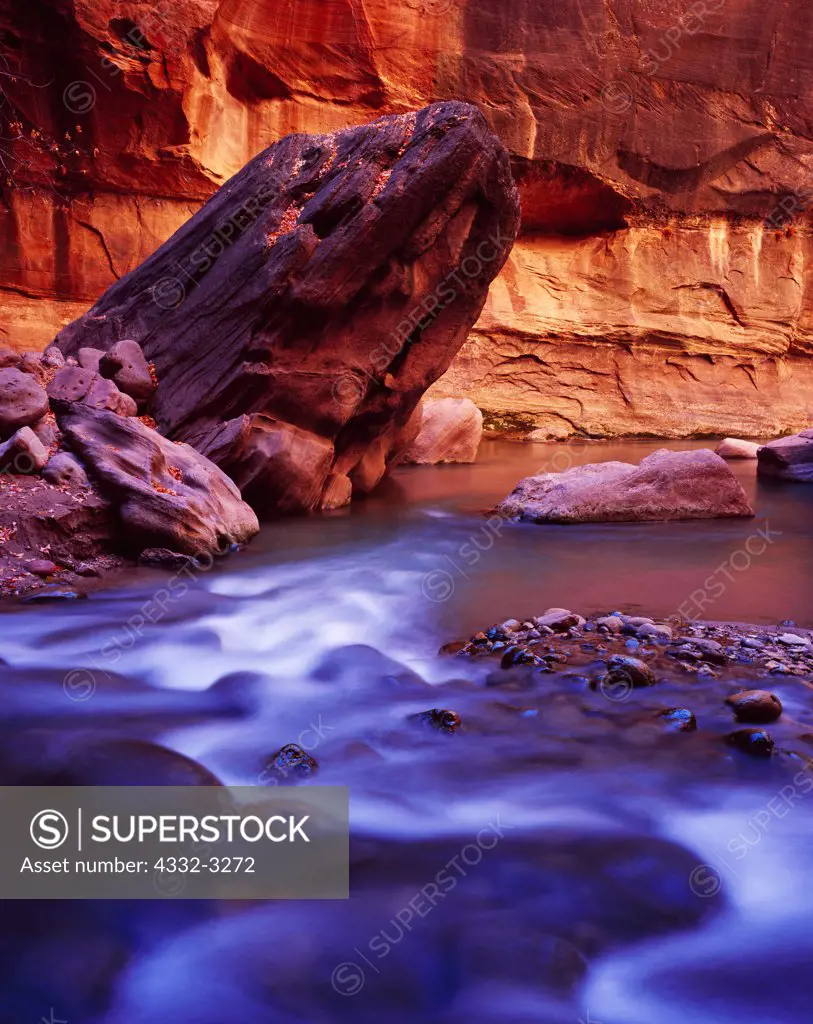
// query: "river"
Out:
[614,875]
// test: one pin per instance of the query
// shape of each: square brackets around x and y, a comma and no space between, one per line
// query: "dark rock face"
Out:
[167,494]
[788,458]
[297,319]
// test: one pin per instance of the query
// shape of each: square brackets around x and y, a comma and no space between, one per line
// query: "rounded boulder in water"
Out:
[759,707]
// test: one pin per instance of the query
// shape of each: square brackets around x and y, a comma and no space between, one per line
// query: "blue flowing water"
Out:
[635,877]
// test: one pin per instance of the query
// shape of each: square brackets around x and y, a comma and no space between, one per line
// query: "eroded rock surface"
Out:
[297,319]
[664,486]
[663,158]
[450,430]
[166,494]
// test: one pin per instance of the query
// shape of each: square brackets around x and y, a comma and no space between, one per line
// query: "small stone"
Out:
[8,357]
[31,363]
[679,720]
[515,656]
[53,594]
[164,558]
[438,718]
[65,468]
[559,620]
[755,742]
[53,357]
[632,645]
[709,650]
[637,620]
[479,638]
[42,567]
[611,623]
[48,432]
[87,569]
[23,452]
[292,763]
[633,671]
[23,401]
[753,644]
[651,629]
[127,366]
[511,626]
[792,640]
[758,707]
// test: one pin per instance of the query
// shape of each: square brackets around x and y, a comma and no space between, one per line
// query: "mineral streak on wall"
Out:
[663,154]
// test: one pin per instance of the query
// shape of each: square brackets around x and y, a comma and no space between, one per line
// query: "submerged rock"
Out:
[665,486]
[450,431]
[679,720]
[755,742]
[290,764]
[373,246]
[439,718]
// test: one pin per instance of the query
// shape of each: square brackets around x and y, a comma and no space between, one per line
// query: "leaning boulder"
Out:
[736,448]
[788,458]
[167,495]
[314,298]
[665,486]
[451,430]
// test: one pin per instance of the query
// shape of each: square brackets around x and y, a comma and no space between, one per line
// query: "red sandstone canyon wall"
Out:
[663,153]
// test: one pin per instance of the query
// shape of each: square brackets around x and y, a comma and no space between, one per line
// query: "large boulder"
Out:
[450,431]
[166,494]
[736,448]
[665,486]
[317,295]
[788,458]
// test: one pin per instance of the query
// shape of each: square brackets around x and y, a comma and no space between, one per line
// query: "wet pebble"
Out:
[441,719]
[756,706]
[679,720]
[630,670]
[755,742]
[42,567]
[292,763]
